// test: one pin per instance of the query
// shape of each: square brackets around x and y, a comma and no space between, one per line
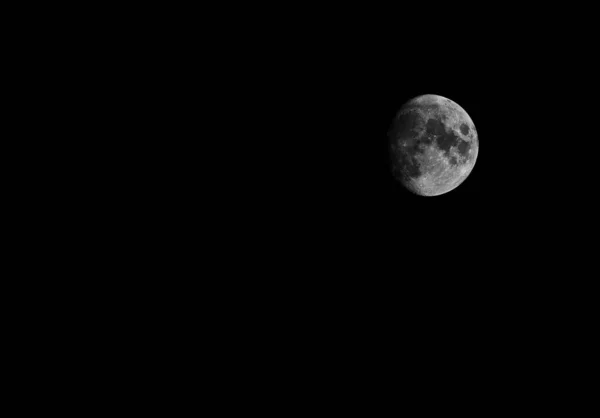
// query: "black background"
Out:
[289,245]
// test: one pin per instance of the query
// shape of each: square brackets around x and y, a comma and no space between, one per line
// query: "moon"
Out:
[433,145]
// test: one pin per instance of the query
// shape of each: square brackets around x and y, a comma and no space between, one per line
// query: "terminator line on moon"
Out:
[434,145]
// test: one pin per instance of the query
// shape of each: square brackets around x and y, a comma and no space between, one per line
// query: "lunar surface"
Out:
[434,145]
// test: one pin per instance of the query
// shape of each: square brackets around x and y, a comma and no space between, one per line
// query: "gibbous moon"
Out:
[433,144]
